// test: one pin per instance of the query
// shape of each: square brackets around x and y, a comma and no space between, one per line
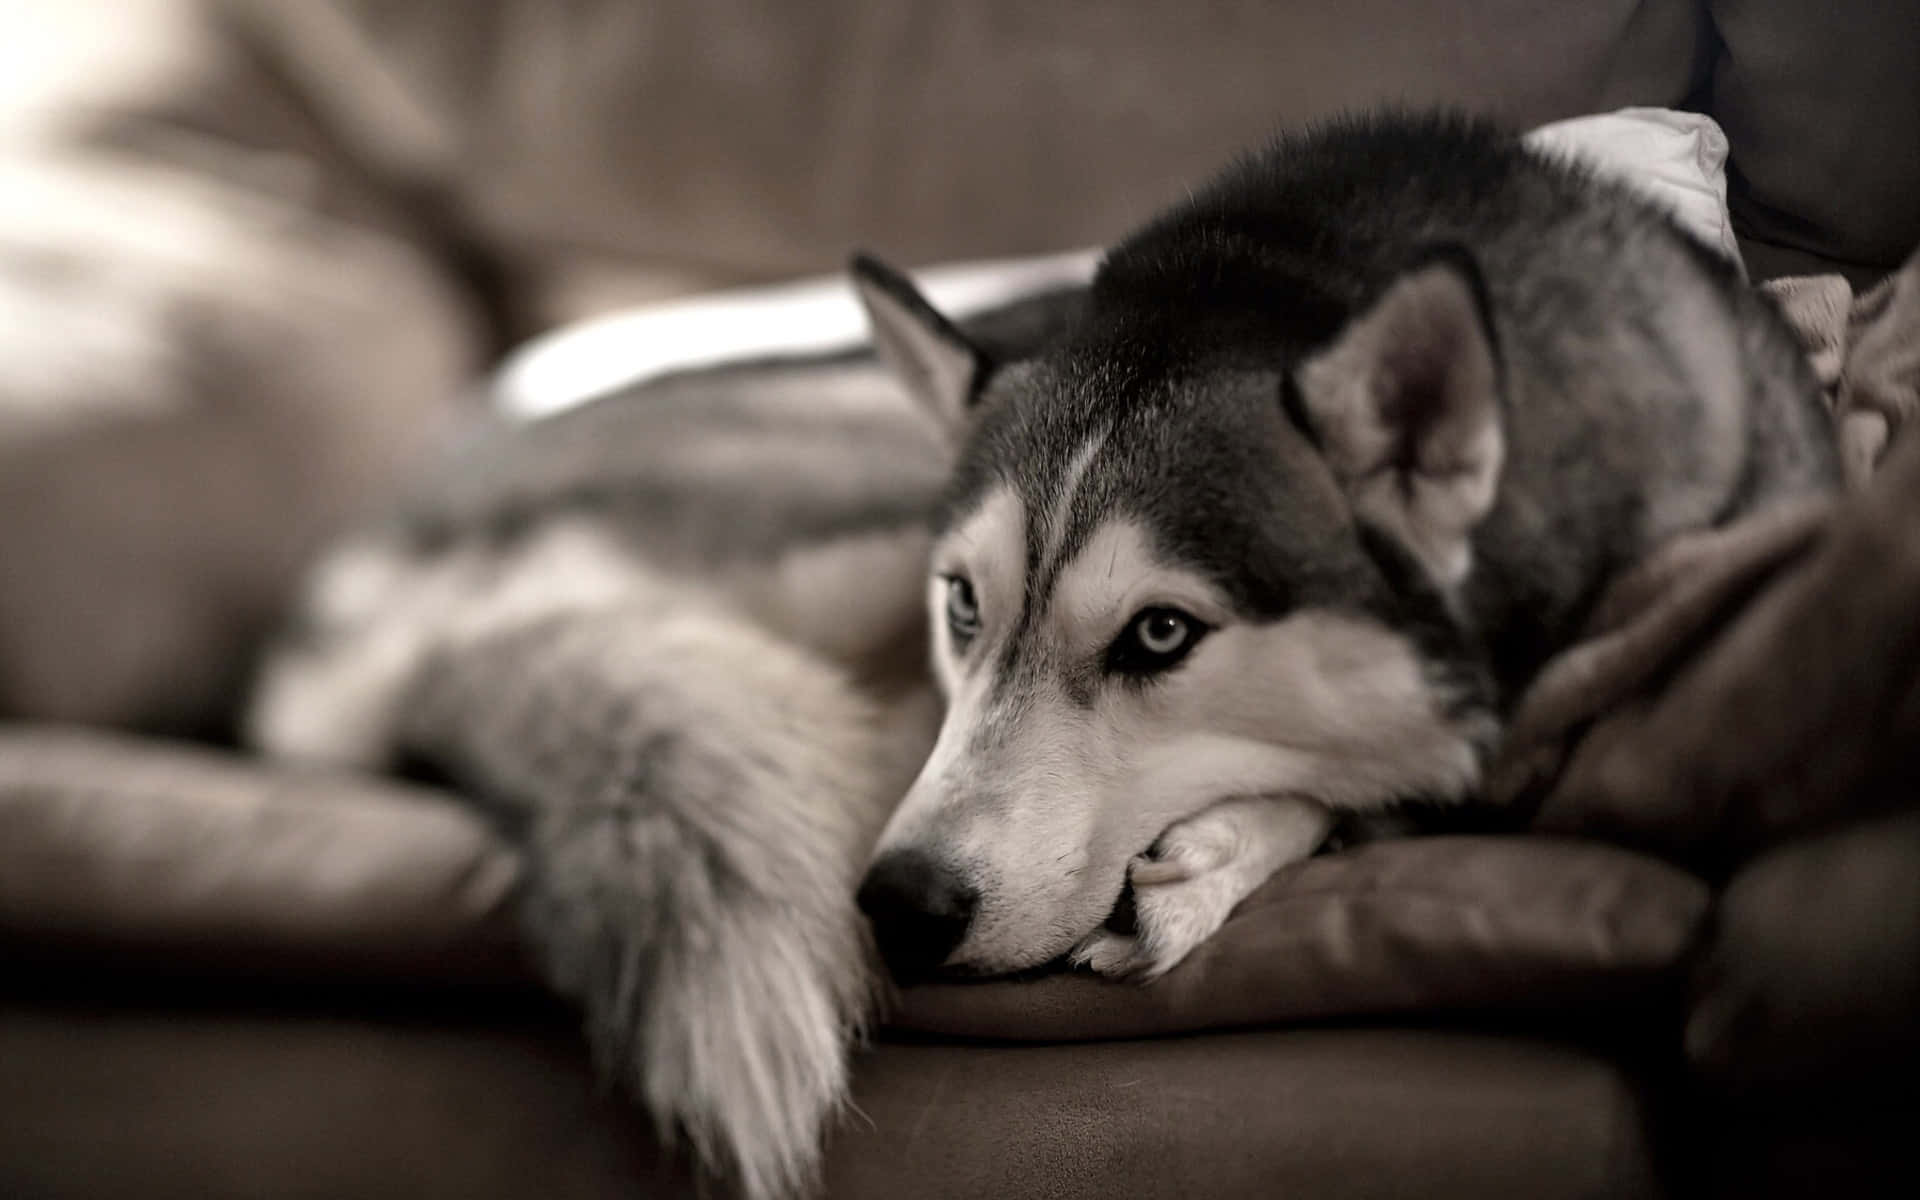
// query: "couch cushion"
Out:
[765,140]
[112,843]
[1822,104]
[1326,1113]
[1581,934]
[213,1104]
[1813,969]
[217,1104]
[115,847]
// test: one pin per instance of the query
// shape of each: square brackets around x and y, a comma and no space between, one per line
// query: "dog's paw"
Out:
[1177,906]
[1186,886]
[1106,952]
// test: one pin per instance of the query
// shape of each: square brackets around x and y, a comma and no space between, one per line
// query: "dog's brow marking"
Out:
[1060,513]
[1045,561]
[1048,525]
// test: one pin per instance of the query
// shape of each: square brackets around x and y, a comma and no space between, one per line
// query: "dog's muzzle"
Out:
[919,909]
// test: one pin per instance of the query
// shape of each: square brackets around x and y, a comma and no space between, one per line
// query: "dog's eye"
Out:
[1155,640]
[963,610]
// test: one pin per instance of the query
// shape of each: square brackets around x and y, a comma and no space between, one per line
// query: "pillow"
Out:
[1677,159]
[1563,931]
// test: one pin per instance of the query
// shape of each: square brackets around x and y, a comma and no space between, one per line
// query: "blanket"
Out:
[1753,682]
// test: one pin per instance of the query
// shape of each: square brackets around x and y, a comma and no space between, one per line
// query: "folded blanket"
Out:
[1866,352]
[1752,682]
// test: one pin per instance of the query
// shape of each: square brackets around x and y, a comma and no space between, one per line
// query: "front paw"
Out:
[1178,901]
[1186,886]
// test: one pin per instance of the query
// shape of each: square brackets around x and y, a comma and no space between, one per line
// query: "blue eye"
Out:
[963,610]
[1155,640]
[1162,632]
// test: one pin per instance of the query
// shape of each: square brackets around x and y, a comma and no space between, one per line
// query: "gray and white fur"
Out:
[1342,449]
[674,641]
[1270,526]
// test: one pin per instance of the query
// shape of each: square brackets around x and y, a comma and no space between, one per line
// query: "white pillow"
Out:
[1678,158]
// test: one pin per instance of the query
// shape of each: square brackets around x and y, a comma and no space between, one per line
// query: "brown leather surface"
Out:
[1819,1146]
[1581,934]
[270,888]
[235,1106]
[210,1105]
[111,843]
[112,846]
[1765,261]
[1812,973]
[1821,103]
[755,138]
[1332,1114]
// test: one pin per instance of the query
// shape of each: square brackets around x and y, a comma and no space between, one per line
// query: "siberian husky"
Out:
[1272,523]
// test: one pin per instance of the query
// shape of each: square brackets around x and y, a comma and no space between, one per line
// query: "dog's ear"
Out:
[1405,405]
[939,366]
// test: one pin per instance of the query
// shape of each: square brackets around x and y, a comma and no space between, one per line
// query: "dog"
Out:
[946,656]
[1343,449]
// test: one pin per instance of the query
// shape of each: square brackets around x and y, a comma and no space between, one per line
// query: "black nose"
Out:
[919,910]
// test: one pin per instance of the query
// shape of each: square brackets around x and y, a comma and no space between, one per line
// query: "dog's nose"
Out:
[919,910]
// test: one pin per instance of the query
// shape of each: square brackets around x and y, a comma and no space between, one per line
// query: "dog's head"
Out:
[1180,561]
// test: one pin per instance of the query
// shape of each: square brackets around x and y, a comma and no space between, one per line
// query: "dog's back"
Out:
[1646,389]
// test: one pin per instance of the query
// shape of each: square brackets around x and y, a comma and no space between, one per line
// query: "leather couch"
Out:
[257,253]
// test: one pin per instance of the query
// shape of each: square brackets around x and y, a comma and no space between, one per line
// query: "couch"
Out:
[255,257]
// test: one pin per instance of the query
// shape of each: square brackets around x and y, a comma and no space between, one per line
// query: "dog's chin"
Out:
[1019,965]
[963,973]
[1119,917]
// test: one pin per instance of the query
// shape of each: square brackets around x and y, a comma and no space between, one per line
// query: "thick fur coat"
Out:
[1272,524]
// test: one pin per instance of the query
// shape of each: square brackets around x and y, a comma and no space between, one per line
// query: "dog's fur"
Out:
[1376,414]
[674,640]
[1379,412]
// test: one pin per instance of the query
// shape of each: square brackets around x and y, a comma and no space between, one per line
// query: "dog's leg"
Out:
[698,799]
[1194,875]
